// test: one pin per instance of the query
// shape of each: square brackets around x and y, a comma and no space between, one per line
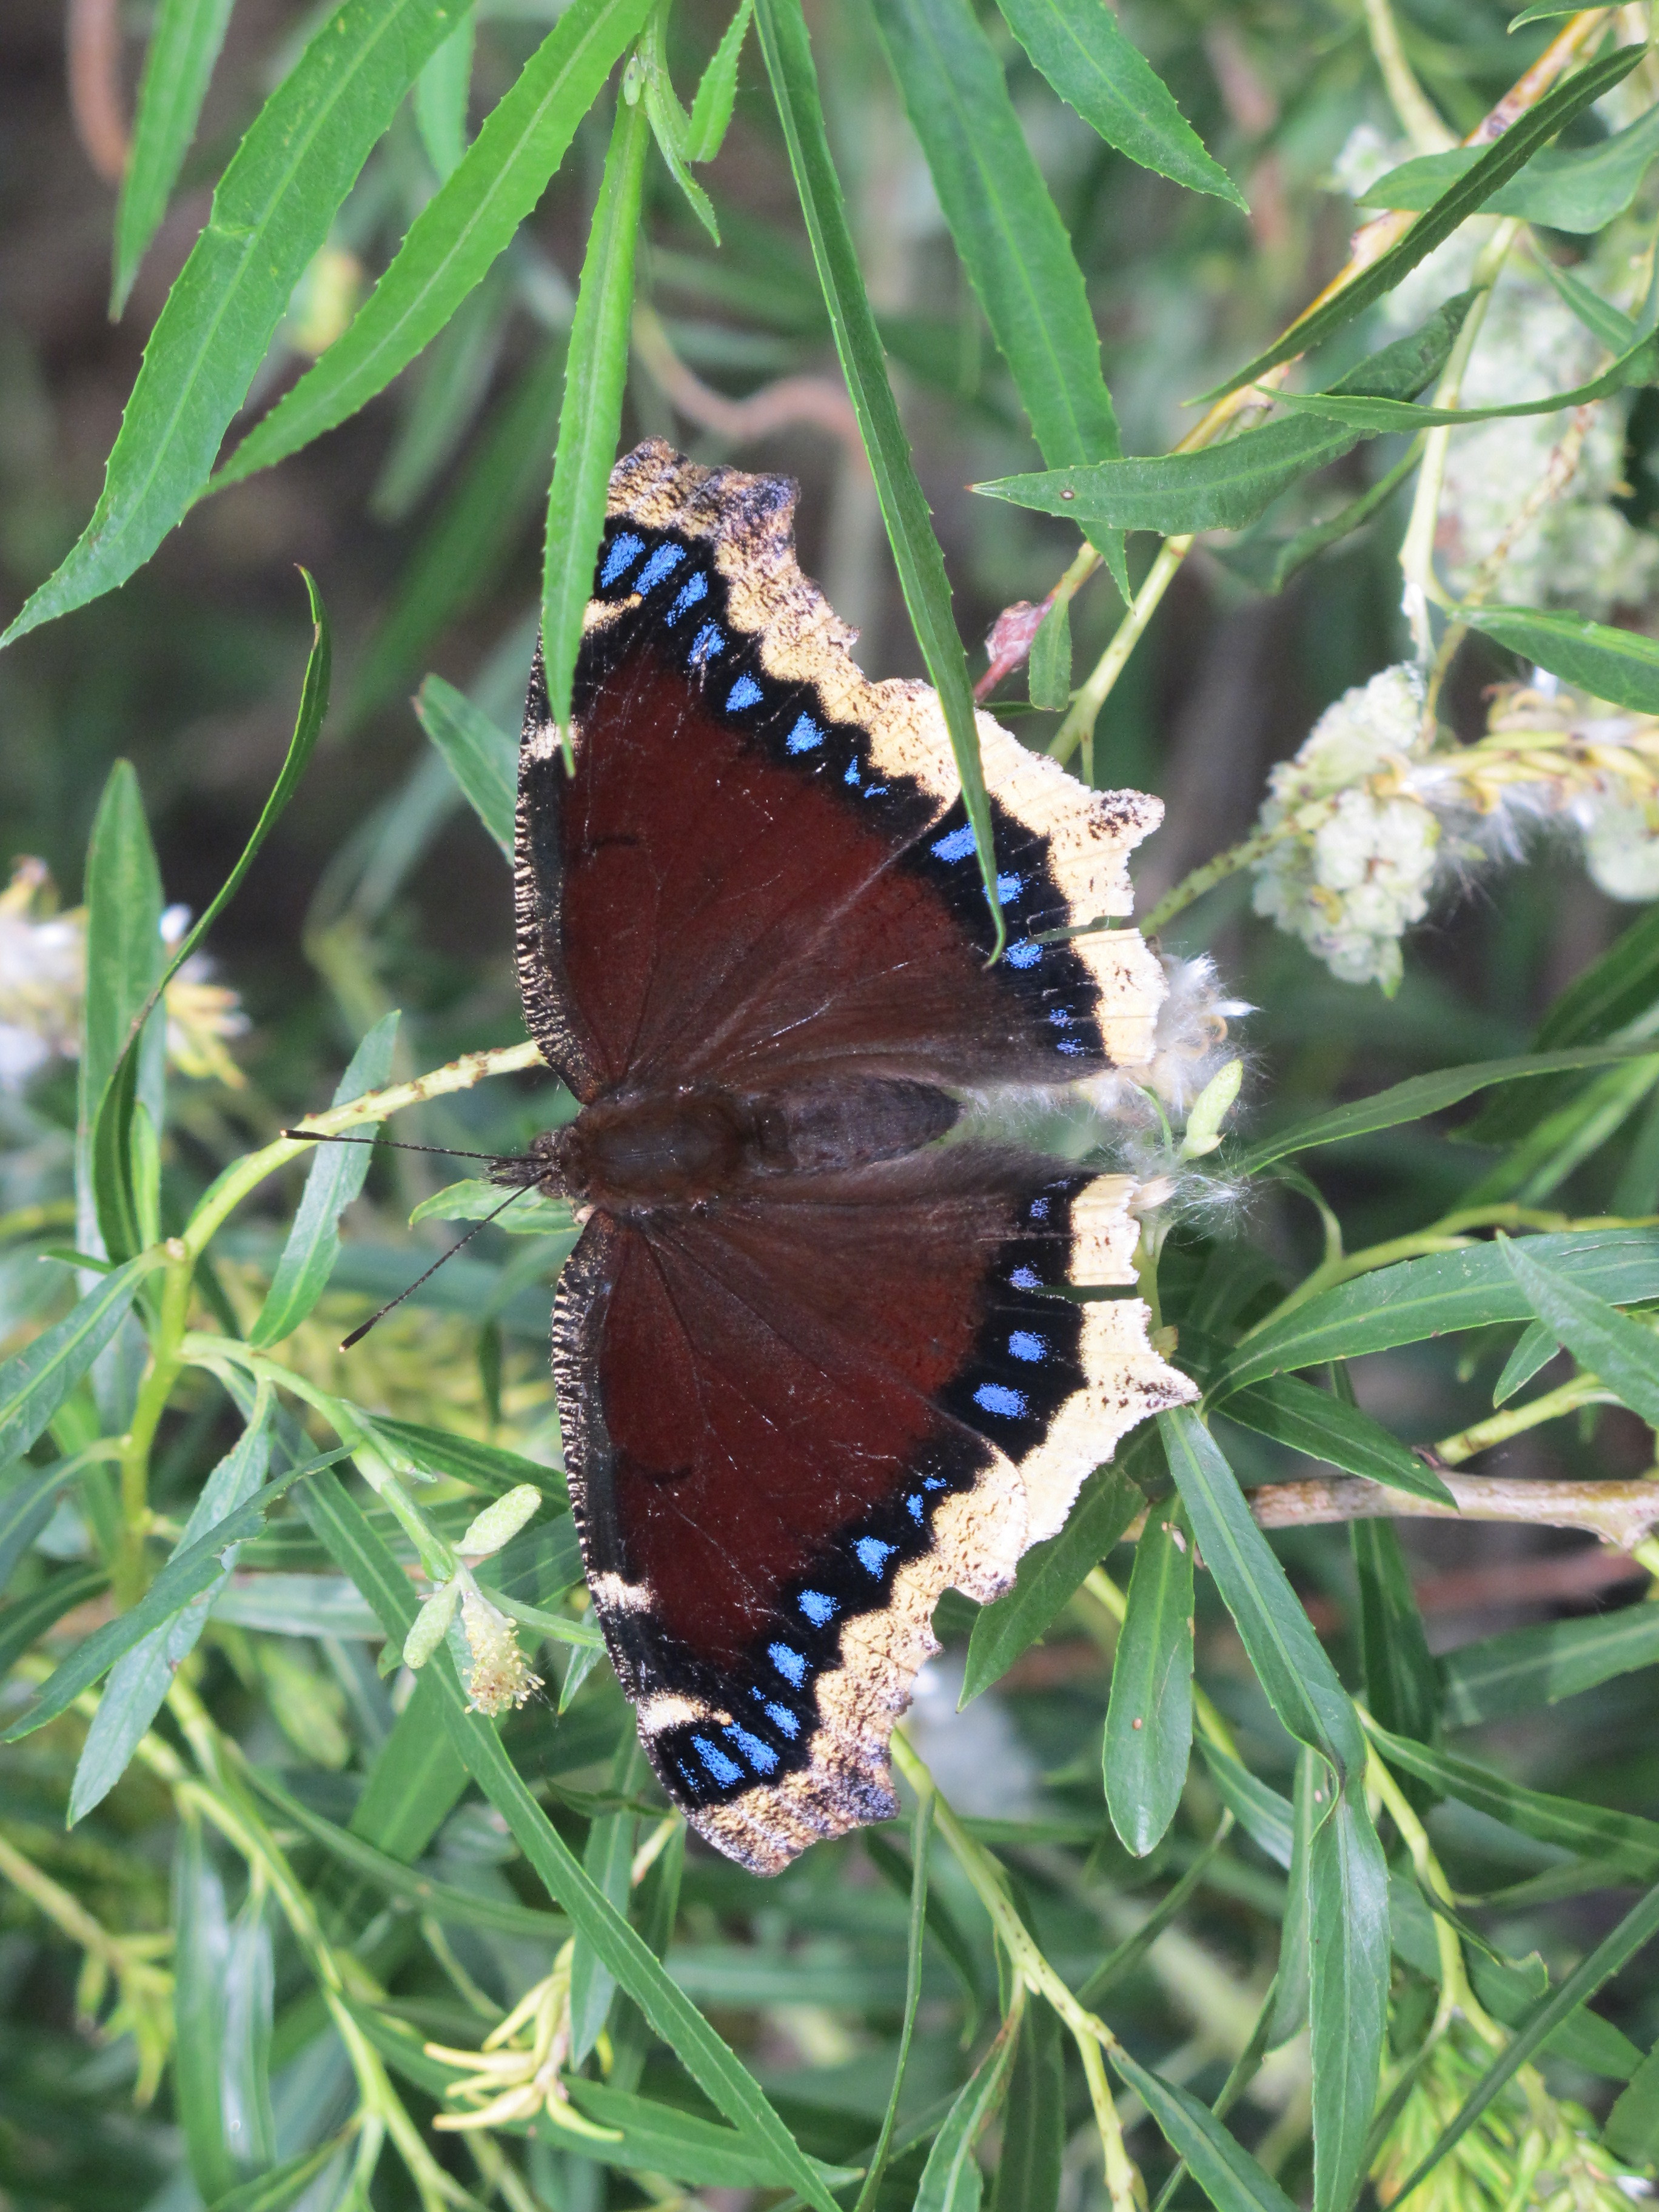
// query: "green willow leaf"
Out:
[415,1784]
[112,1119]
[34,1382]
[1501,160]
[1402,1686]
[141,1678]
[1311,1421]
[1030,2161]
[1420,1298]
[1222,487]
[1636,365]
[596,371]
[1530,1668]
[195,1567]
[1149,1718]
[1580,191]
[487,1467]
[25,1509]
[1634,1932]
[1006,229]
[921,1836]
[459,235]
[202,1939]
[1618,665]
[608,1858]
[270,215]
[1097,70]
[717,92]
[124,957]
[441,93]
[1632,2129]
[1266,1819]
[1535,1347]
[1348,1991]
[1620,1840]
[1620,1352]
[788,55]
[1289,1659]
[1223,2169]
[481,757]
[184,46]
[1049,1576]
[1421,1095]
[1049,669]
[285,2184]
[24,1622]
[1293,1976]
[360,1552]
[951,2180]
[335,1177]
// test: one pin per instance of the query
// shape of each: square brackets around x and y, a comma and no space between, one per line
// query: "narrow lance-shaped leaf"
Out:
[1431,1296]
[1634,1932]
[25,1509]
[1098,71]
[335,1177]
[717,92]
[1289,1659]
[440,98]
[1632,2128]
[1402,1687]
[1422,1095]
[270,215]
[34,1382]
[1007,231]
[951,2180]
[459,235]
[361,1553]
[481,757]
[1311,1421]
[1580,190]
[202,1939]
[1149,1717]
[596,370]
[113,1116]
[1348,1992]
[1617,664]
[1225,486]
[1620,1352]
[1525,137]
[194,1568]
[609,1859]
[124,959]
[1294,1975]
[1223,2169]
[1527,1668]
[788,54]
[184,46]
[140,1679]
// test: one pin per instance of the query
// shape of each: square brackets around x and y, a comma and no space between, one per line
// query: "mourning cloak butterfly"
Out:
[812,1367]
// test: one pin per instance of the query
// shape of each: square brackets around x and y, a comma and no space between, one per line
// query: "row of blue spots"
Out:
[1024,1344]
[957,845]
[998,1398]
[804,736]
[872,1554]
[818,1607]
[709,640]
[789,1662]
[694,588]
[745,692]
[725,1771]
[1026,1278]
[624,552]
[1023,955]
[1009,889]
[663,562]
[780,1715]
[916,1506]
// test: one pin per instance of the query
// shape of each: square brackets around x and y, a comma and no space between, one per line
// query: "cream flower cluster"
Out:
[1373,815]
[43,981]
[1355,854]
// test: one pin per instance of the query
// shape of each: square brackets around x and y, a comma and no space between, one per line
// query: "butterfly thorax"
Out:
[637,1150]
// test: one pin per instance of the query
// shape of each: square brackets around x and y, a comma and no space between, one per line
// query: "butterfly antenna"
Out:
[325,1137]
[358,1335]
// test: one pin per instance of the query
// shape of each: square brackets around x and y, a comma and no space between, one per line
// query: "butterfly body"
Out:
[813,1365]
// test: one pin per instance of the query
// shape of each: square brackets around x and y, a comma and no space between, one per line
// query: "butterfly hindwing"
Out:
[789,1428]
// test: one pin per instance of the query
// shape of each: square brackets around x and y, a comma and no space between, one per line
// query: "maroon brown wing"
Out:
[761,868]
[790,1425]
